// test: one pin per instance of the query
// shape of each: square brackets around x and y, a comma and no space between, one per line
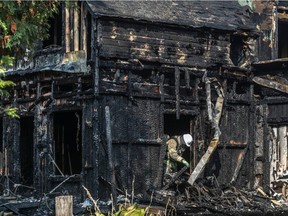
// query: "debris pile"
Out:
[207,196]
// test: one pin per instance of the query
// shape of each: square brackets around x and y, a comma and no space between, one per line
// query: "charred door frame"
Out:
[50,168]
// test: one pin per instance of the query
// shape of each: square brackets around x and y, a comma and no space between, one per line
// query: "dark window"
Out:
[282,39]
[26,149]
[55,30]
[67,137]
[236,50]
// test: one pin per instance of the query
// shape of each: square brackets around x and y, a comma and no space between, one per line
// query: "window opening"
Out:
[67,137]
[282,39]
[55,30]
[241,88]
[236,50]
[26,149]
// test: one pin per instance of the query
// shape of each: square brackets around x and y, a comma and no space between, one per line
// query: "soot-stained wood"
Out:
[147,62]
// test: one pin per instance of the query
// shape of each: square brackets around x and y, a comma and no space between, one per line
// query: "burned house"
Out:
[114,78]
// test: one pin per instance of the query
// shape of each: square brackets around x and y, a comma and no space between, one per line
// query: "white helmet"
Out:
[187,139]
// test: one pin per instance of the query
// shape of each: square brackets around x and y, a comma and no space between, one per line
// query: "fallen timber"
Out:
[205,197]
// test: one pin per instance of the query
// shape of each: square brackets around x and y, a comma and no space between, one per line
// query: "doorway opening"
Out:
[68,146]
[26,149]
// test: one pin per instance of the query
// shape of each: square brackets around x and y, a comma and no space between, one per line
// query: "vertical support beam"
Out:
[110,152]
[161,87]
[83,44]
[266,152]
[76,29]
[163,149]
[67,29]
[251,142]
[89,153]
[71,23]
[187,79]
[37,172]
[273,155]
[196,89]
[282,133]
[177,94]
[95,147]
[96,33]
[63,25]
[208,100]
[16,149]
[38,184]
[129,145]
[6,156]
[274,39]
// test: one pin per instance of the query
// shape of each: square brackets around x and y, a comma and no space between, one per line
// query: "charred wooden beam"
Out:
[187,79]
[76,35]
[277,85]
[215,119]
[161,88]
[239,165]
[110,152]
[175,177]
[67,29]
[96,35]
[177,86]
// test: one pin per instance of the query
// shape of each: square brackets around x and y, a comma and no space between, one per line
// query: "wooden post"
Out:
[110,153]
[64,206]
[177,92]
[76,30]
[83,31]
[67,29]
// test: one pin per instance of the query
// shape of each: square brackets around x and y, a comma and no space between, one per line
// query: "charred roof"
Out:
[224,15]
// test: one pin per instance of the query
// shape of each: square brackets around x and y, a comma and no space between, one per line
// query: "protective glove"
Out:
[185,163]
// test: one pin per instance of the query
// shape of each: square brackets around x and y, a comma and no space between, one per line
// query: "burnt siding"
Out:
[119,117]
[134,122]
[144,166]
[166,45]
[235,125]
[278,113]
[144,119]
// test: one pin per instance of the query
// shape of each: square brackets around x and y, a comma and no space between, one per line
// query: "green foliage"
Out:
[5,61]
[22,23]
[11,111]
[131,210]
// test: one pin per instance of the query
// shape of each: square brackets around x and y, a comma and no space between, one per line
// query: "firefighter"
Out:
[176,147]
